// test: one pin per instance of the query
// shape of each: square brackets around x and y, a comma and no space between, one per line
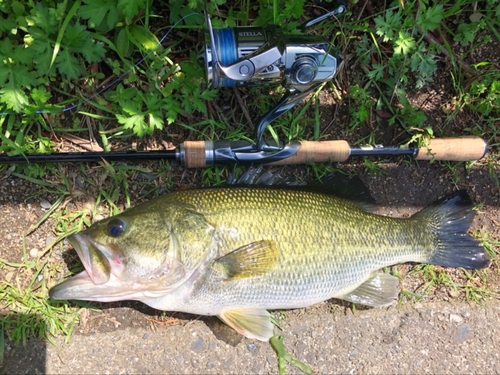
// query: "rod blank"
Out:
[198,154]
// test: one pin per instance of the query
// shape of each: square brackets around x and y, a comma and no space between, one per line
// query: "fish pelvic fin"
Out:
[253,323]
[380,290]
[450,218]
[254,259]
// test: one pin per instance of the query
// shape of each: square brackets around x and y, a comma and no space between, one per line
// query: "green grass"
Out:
[473,286]
[285,357]
[30,313]
[391,47]
[24,290]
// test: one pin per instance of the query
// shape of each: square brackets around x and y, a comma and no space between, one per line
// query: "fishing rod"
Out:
[254,56]
[199,154]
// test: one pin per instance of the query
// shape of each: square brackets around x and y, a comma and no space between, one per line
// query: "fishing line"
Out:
[118,79]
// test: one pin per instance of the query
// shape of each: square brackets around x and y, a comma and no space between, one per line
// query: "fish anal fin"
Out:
[381,289]
[253,323]
[254,259]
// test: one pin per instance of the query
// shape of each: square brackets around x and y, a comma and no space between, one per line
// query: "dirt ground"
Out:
[442,333]
[430,337]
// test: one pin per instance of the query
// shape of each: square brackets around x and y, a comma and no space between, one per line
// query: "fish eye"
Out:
[116,227]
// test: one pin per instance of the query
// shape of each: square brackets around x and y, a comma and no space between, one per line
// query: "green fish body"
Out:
[236,252]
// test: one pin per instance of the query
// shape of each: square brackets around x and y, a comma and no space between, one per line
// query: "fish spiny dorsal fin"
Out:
[254,259]
[249,322]
[349,188]
[381,289]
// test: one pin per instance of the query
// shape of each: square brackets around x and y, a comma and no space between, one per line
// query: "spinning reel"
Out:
[254,56]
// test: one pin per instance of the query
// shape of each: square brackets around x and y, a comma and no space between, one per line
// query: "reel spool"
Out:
[305,61]
[233,44]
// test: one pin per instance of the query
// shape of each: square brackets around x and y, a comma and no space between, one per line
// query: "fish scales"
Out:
[311,219]
[236,252]
[326,244]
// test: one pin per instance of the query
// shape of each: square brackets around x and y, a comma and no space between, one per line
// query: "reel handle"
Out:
[341,8]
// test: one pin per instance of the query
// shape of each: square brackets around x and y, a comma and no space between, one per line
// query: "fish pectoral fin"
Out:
[249,322]
[254,259]
[381,289]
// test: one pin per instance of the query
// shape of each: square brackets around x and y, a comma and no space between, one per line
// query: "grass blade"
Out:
[60,34]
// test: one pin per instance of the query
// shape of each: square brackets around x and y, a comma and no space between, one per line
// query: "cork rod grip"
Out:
[195,156]
[318,152]
[453,149]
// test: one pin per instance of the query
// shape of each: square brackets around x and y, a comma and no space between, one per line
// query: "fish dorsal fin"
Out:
[249,322]
[381,289]
[254,259]
[350,188]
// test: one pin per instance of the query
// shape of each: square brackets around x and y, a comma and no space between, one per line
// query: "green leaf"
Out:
[404,44]
[423,64]
[130,8]
[431,18]
[8,25]
[68,65]
[173,109]
[15,78]
[467,32]
[75,36]
[209,94]
[14,98]
[386,25]
[193,4]
[43,18]
[17,75]
[18,8]
[102,15]
[40,95]
[143,38]
[135,122]
[122,42]
[377,72]
[155,120]
[93,52]
[427,65]
[294,9]
[43,62]
[178,10]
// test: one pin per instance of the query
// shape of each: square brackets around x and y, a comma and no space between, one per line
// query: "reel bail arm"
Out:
[290,99]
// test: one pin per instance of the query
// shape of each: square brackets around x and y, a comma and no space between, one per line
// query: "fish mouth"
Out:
[81,287]
[94,257]
[104,278]
[96,282]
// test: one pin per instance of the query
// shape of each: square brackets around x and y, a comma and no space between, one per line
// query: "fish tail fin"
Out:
[449,219]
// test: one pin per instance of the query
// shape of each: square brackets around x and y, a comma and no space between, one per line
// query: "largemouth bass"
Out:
[236,252]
